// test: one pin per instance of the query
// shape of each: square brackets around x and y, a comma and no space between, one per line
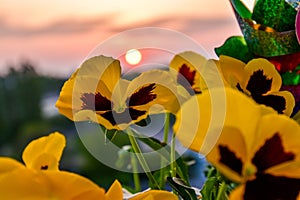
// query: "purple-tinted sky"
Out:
[56,36]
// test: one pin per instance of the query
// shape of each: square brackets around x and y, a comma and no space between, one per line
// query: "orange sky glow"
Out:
[56,36]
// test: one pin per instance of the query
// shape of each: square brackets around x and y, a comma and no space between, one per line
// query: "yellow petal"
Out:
[278,135]
[155,195]
[64,103]
[165,91]
[106,69]
[47,185]
[115,191]
[119,95]
[232,70]
[44,152]
[268,69]
[194,64]
[68,185]
[89,115]
[237,193]
[288,169]
[229,154]
[9,164]
[24,184]
[289,101]
[206,114]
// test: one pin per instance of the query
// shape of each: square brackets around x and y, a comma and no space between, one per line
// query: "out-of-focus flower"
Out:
[40,177]
[258,79]
[44,153]
[97,92]
[255,146]
[115,193]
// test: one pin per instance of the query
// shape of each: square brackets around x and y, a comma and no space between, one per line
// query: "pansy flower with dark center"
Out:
[188,66]
[254,147]
[258,79]
[97,92]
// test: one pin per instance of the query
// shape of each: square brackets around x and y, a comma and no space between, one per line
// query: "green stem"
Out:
[173,160]
[136,178]
[221,191]
[141,158]
[173,157]
[166,136]
[166,127]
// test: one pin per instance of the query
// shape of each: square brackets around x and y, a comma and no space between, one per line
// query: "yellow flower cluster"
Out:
[242,126]
[252,140]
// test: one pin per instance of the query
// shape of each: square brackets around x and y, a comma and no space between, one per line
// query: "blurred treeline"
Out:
[23,117]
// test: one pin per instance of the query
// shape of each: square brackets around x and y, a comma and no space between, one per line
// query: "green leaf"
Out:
[186,192]
[110,134]
[123,157]
[216,186]
[242,10]
[210,189]
[290,78]
[162,174]
[235,47]
[155,144]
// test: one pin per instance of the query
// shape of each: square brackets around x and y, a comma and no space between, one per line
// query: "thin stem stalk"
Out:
[141,158]
[136,178]
[165,140]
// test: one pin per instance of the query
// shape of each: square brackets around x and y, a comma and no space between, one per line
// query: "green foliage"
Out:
[21,117]
[165,151]
[186,192]
[216,187]
[291,77]
[235,47]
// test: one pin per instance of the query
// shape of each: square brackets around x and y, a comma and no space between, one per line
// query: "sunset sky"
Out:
[56,36]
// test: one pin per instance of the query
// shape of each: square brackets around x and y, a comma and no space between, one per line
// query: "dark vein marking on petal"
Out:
[122,118]
[271,153]
[44,167]
[259,83]
[96,102]
[142,96]
[186,78]
[238,86]
[269,187]
[188,73]
[274,101]
[229,159]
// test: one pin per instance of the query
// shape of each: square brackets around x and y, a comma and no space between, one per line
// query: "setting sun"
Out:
[133,57]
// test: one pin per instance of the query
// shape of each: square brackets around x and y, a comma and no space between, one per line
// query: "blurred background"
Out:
[43,42]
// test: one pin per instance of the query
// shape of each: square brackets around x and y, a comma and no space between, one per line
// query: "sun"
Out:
[133,57]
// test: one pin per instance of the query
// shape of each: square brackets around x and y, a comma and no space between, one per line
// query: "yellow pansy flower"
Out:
[40,178]
[45,152]
[253,146]
[97,92]
[258,79]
